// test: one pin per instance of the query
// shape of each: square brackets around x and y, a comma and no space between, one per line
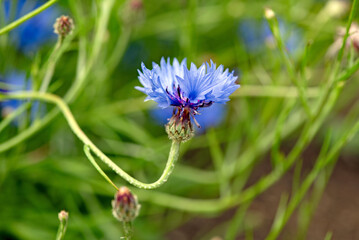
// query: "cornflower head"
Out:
[186,90]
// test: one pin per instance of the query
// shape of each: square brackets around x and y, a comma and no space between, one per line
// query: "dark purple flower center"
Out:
[178,100]
[184,107]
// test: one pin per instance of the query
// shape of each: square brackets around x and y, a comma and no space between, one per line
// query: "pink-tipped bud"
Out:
[63,216]
[64,26]
[136,5]
[125,206]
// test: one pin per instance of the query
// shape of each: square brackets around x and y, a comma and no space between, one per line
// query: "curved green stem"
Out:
[83,70]
[51,98]
[23,19]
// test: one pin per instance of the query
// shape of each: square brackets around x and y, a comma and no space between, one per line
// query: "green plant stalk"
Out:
[55,55]
[307,209]
[297,198]
[307,134]
[57,52]
[26,17]
[119,50]
[12,116]
[334,79]
[137,104]
[71,94]
[328,236]
[62,229]
[245,160]
[216,205]
[50,68]
[217,156]
[83,70]
[127,230]
[98,168]
[51,98]
[322,162]
[255,91]
[274,26]
[106,7]
[237,222]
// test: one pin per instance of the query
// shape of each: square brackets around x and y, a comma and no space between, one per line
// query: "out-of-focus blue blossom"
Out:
[32,34]
[14,82]
[207,118]
[256,35]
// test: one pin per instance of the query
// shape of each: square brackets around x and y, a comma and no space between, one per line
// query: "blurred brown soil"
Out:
[337,212]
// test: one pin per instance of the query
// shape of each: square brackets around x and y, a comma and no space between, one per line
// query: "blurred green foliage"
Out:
[42,165]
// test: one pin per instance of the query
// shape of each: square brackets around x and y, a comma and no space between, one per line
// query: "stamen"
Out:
[179,92]
[195,121]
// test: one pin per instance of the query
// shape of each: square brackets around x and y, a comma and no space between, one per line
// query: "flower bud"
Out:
[351,41]
[63,26]
[136,5]
[125,206]
[63,216]
[268,13]
[133,13]
[179,127]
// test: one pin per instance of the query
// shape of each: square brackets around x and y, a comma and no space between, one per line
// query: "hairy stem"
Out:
[51,98]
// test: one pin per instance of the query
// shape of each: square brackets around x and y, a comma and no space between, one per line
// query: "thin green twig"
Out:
[274,26]
[63,217]
[26,17]
[83,70]
[98,168]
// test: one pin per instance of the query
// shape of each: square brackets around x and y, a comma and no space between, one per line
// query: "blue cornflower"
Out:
[32,34]
[187,90]
[13,82]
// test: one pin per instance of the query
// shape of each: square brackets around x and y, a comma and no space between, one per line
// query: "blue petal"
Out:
[177,85]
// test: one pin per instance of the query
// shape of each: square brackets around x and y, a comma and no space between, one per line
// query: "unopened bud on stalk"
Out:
[136,5]
[268,13]
[64,26]
[63,216]
[133,12]
[125,206]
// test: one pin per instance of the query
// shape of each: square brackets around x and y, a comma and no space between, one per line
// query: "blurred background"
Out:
[219,188]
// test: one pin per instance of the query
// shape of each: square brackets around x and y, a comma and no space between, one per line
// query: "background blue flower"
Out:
[32,34]
[256,35]
[13,82]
